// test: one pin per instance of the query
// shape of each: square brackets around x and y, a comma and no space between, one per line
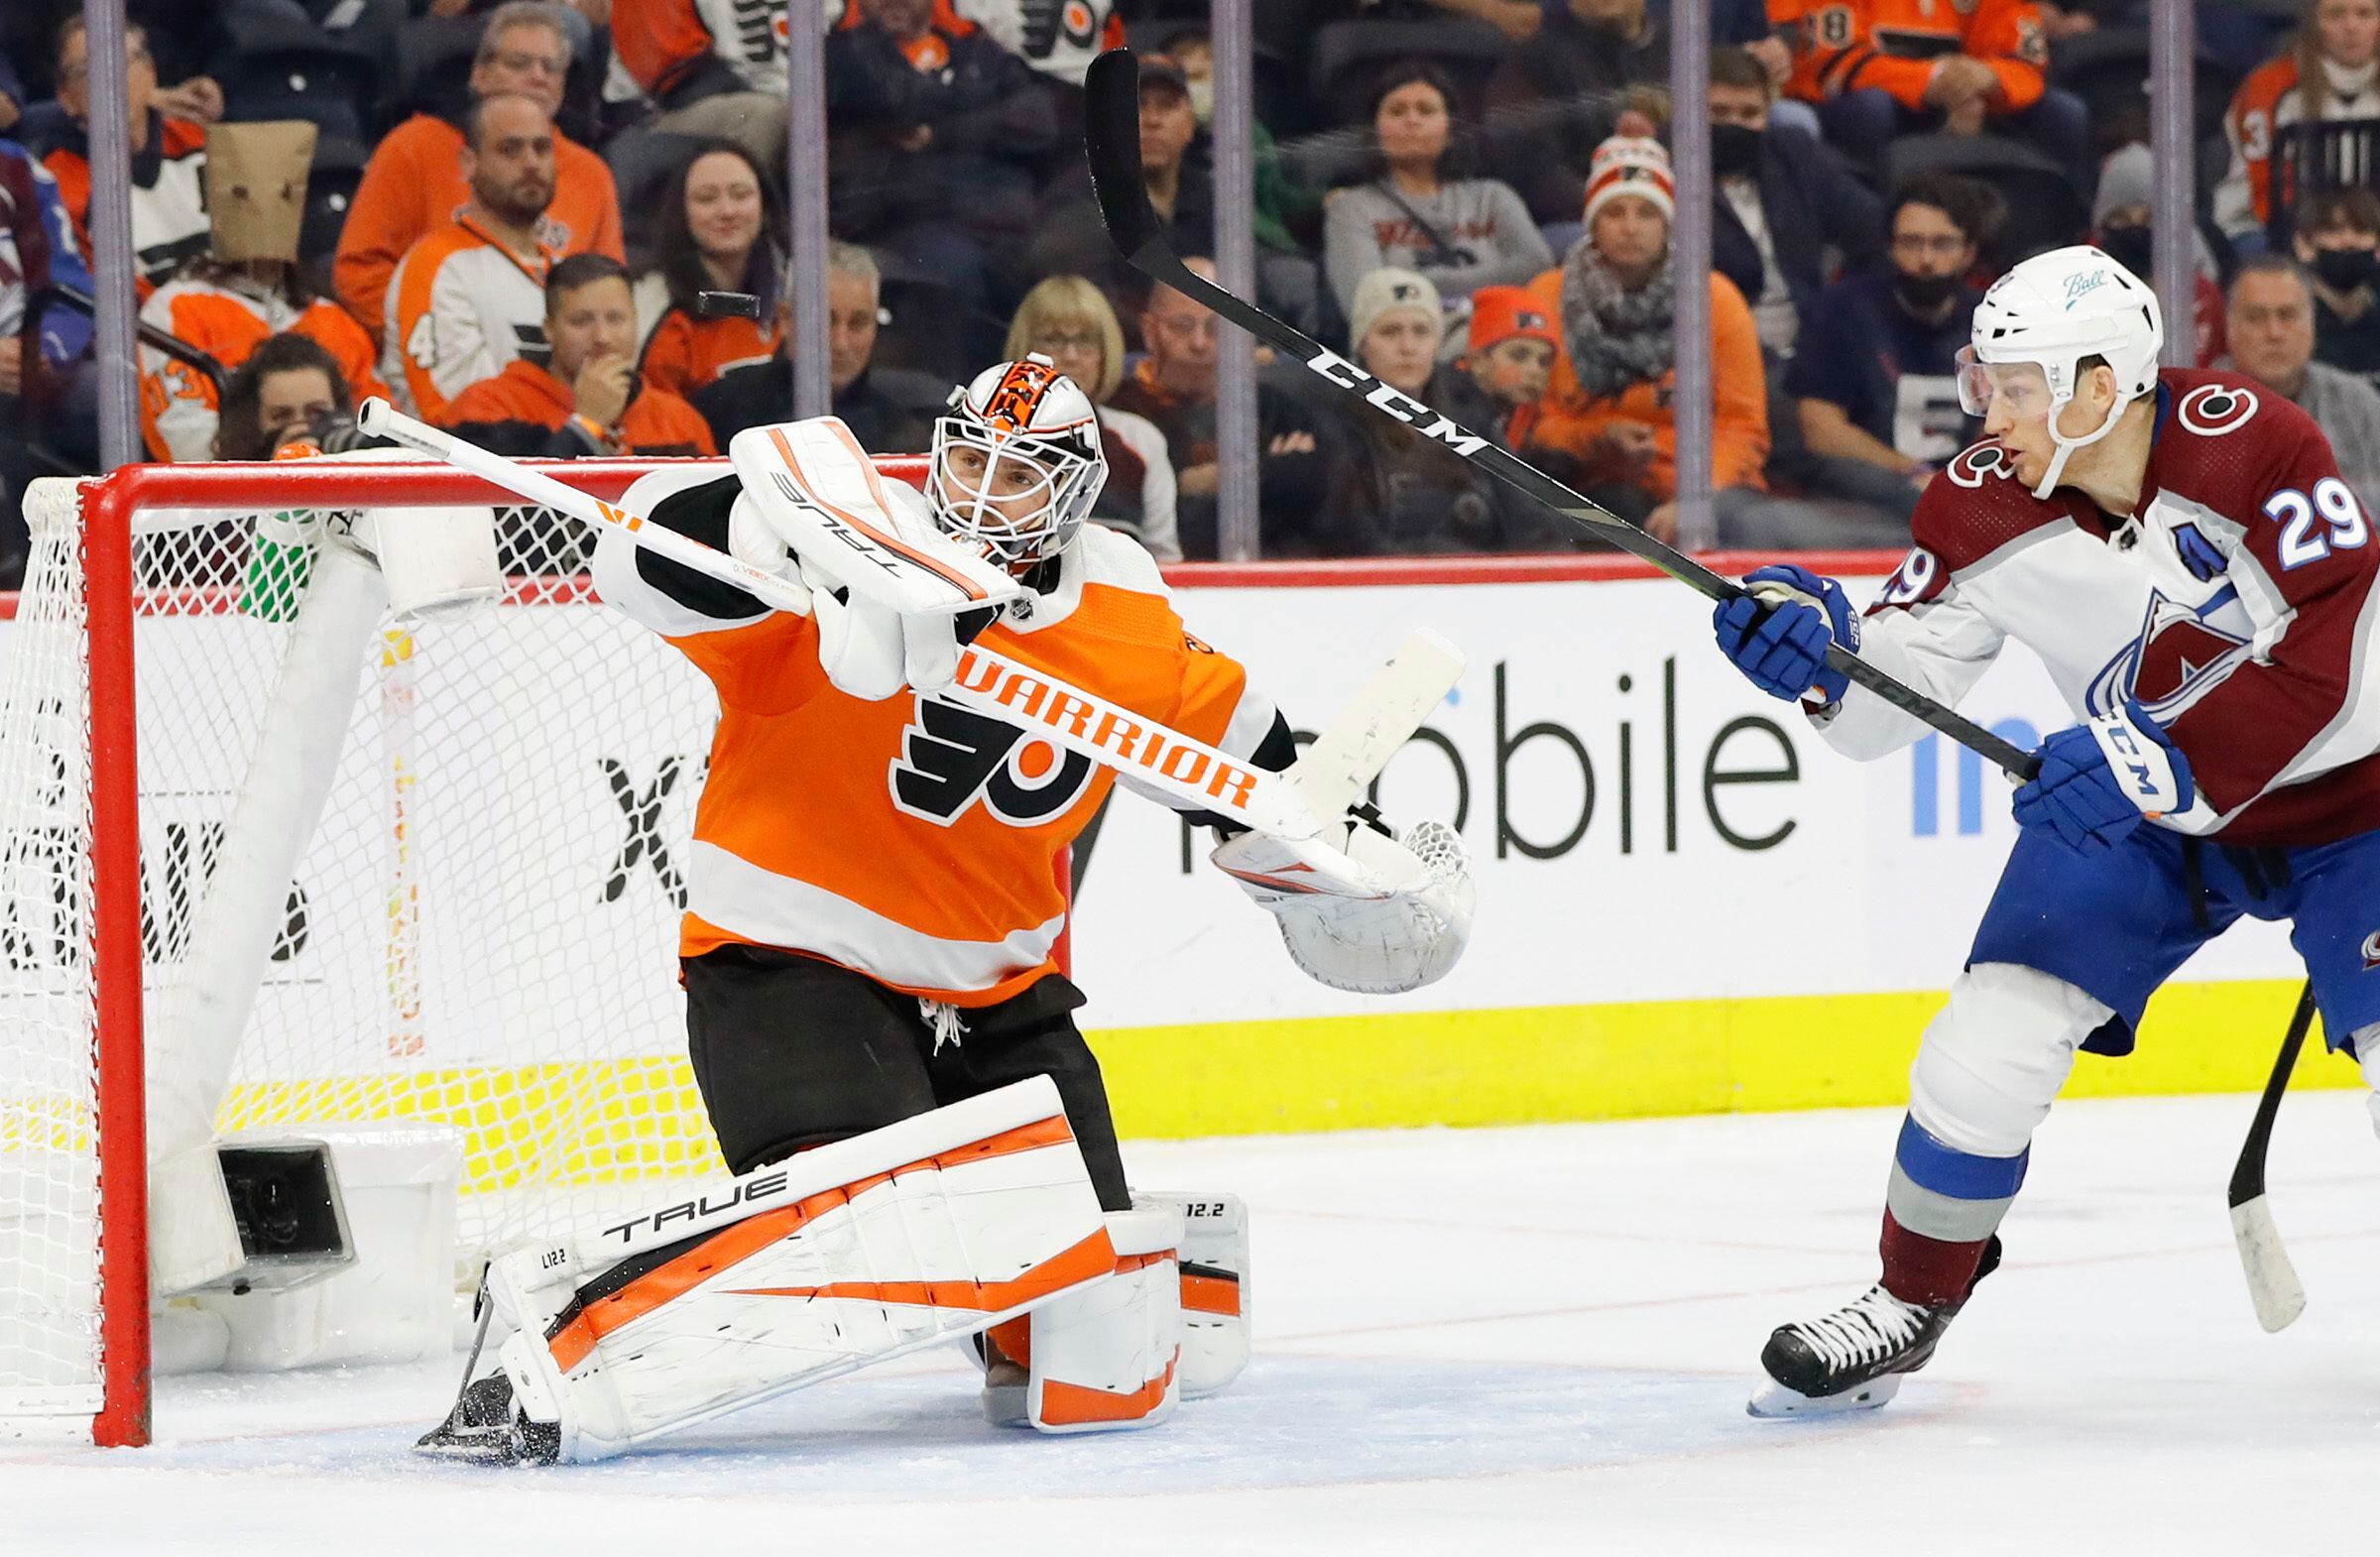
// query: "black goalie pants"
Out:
[793,1052]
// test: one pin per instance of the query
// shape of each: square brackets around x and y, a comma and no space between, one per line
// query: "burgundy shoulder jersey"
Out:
[2238,608]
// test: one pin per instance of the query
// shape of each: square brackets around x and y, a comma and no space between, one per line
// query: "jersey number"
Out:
[423,344]
[2296,513]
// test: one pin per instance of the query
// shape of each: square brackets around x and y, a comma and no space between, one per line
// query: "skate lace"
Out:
[944,1018]
[1865,1330]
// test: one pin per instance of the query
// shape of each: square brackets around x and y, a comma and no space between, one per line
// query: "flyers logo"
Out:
[952,759]
[1017,395]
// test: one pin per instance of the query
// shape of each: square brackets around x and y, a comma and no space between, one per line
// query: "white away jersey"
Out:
[2238,610]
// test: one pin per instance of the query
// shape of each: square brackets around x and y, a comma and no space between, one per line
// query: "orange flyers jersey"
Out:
[169,198]
[1848,45]
[179,405]
[909,840]
[684,353]
[462,306]
[2266,102]
[414,184]
[1056,40]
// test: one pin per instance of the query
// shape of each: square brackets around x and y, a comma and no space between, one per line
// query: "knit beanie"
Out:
[1630,164]
[1384,292]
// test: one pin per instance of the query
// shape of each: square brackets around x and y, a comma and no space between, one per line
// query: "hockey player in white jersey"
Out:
[2179,550]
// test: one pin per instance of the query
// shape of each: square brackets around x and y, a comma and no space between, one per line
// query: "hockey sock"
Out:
[1941,1210]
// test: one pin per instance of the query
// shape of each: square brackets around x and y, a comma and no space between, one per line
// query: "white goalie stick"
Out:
[2273,1285]
[1340,764]
[1112,138]
[1153,756]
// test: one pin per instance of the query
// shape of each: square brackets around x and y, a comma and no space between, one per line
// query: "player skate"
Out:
[1853,1359]
[2179,549]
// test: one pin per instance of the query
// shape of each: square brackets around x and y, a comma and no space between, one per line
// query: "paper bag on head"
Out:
[256,187]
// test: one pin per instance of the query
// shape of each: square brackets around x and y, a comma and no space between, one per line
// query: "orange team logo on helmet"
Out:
[1018,395]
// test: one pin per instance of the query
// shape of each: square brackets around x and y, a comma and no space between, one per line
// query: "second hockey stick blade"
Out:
[1112,142]
[2273,1285]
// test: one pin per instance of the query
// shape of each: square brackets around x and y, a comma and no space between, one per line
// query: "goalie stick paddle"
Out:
[2273,1285]
[1111,141]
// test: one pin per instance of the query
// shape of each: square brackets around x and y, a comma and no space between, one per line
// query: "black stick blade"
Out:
[1112,144]
[2247,1175]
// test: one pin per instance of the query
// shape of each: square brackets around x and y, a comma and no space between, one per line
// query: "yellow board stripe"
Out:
[1630,1061]
[642,1119]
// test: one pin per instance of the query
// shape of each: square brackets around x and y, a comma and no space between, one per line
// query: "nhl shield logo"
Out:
[2371,951]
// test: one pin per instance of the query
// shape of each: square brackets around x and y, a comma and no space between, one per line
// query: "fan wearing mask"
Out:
[2338,239]
[2119,223]
[1879,406]
[1786,210]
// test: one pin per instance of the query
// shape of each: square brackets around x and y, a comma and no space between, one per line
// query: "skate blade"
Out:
[485,1446]
[1772,1400]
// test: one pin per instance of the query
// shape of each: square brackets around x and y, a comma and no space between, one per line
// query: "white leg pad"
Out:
[1108,1356]
[1995,1056]
[937,1227]
[1215,1286]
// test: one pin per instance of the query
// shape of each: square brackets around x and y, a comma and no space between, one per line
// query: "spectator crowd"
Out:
[504,215]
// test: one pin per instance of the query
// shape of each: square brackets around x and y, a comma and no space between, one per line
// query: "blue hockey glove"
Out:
[1779,633]
[2099,781]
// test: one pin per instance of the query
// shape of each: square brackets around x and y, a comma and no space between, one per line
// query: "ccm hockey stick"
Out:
[1153,757]
[1113,142]
[2273,1283]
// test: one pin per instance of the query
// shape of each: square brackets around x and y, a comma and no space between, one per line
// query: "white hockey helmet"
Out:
[2055,310]
[1022,429]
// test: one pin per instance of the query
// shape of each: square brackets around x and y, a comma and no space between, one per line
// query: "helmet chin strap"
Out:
[2066,446]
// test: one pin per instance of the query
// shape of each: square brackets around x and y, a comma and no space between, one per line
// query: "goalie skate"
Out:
[1853,1359]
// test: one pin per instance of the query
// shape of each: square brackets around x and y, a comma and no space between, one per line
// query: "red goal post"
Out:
[140,694]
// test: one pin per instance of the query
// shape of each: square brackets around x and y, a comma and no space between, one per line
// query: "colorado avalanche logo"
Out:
[2212,410]
[2179,653]
[1977,462]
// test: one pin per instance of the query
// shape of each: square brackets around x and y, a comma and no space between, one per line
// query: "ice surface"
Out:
[1525,1341]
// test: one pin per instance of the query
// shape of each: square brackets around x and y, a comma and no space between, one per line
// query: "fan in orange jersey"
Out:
[415,182]
[169,213]
[246,289]
[718,234]
[2338,51]
[874,896]
[471,296]
[587,398]
[1876,69]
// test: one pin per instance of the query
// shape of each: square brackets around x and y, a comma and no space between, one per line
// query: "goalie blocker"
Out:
[940,1226]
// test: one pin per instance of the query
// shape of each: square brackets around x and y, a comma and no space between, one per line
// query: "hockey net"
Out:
[479,930]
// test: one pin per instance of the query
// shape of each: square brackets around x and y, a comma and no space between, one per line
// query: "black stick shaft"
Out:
[1113,141]
[2247,1176]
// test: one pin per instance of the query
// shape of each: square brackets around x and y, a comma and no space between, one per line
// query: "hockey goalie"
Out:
[885,1045]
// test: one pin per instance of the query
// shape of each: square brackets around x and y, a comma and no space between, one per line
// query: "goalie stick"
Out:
[2273,1285]
[1112,139]
[1149,754]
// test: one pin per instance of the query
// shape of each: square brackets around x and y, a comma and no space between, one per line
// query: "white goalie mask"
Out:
[1017,462]
[2051,314]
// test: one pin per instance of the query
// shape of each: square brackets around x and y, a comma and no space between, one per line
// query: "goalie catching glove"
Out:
[894,597]
[1361,908]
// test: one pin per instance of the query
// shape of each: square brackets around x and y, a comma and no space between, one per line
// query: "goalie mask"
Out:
[1018,463]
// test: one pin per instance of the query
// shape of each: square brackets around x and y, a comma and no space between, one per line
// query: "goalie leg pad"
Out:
[937,1227]
[1108,1356]
[1215,1286]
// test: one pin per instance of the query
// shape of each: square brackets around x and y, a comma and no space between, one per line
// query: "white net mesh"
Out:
[481,931]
